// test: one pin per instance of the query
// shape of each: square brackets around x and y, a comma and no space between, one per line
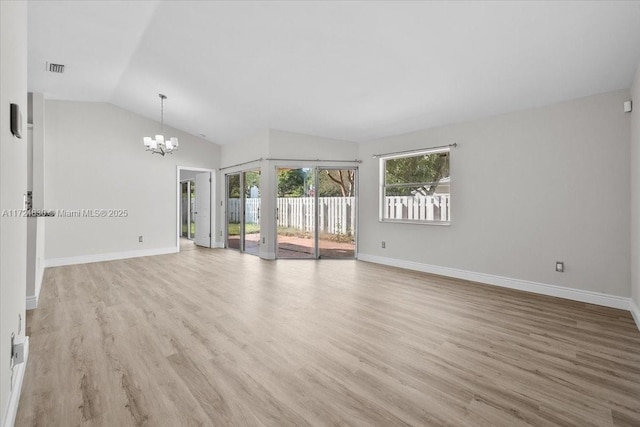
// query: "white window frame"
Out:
[382,186]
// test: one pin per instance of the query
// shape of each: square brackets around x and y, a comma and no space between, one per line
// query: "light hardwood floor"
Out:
[213,337]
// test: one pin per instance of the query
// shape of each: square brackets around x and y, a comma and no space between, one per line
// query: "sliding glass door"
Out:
[243,211]
[336,213]
[234,210]
[251,202]
[316,214]
[187,205]
[295,213]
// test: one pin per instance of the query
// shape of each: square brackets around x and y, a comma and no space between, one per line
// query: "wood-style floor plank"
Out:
[216,338]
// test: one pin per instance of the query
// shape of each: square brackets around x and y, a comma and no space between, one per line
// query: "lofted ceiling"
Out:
[346,70]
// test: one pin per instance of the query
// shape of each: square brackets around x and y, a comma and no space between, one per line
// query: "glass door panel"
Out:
[184,210]
[251,184]
[336,209]
[187,210]
[191,185]
[234,210]
[295,214]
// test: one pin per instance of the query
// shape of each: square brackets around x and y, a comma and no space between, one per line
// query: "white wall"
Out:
[13,185]
[528,188]
[31,225]
[249,149]
[96,160]
[38,189]
[635,194]
[246,150]
[36,226]
[290,145]
[188,175]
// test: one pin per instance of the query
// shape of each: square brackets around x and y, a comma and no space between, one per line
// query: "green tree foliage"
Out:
[291,182]
[251,178]
[336,183]
[331,183]
[424,172]
[233,186]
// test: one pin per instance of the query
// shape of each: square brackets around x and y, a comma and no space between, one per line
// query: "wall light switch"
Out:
[560,266]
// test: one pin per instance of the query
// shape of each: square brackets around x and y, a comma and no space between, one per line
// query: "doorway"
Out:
[195,213]
[187,209]
[316,212]
[243,211]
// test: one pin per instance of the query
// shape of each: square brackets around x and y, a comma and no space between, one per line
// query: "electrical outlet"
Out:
[384,244]
[560,266]
[140,239]
[17,352]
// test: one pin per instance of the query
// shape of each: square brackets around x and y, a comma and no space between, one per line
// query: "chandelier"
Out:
[159,144]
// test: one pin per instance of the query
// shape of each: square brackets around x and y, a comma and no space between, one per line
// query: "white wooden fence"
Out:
[337,214]
[252,207]
[425,208]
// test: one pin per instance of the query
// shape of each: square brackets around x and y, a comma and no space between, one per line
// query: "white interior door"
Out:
[203,209]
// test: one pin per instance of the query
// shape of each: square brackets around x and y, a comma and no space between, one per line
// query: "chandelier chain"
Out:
[162,98]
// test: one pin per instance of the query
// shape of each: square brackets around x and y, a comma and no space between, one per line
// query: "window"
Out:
[415,187]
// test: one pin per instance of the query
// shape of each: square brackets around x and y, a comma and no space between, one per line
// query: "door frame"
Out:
[225,243]
[243,201]
[318,167]
[212,218]
[188,184]
[276,214]
[356,202]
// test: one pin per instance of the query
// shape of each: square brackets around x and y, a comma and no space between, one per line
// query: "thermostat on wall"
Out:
[16,120]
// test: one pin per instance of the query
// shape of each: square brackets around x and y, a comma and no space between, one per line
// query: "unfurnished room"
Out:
[319,213]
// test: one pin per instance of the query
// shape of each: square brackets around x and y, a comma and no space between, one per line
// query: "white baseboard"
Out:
[32,302]
[86,259]
[506,282]
[14,398]
[39,278]
[635,312]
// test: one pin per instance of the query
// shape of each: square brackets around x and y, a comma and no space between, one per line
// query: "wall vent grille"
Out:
[55,68]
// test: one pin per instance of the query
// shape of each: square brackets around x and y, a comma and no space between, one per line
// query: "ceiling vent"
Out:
[55,68]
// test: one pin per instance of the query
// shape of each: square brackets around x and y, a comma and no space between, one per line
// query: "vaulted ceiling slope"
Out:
[345,70]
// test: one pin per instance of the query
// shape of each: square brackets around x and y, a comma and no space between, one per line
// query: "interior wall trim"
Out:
[635,312]
[31,302]
[580,295]
[86,259]
[14,398]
